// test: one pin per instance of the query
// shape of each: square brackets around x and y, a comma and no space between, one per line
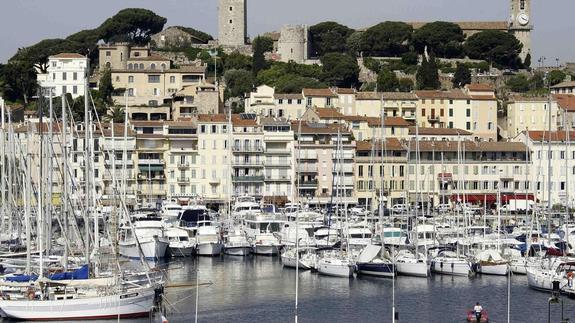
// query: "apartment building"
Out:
[321,166]
[265,102]
[195,99]
[380,171]
[320,98]
[567,87]
[215,164]
[566,111]
[395,104]
[66,74]
[181,160]
[552,154]
[279,160]
[248,156]
[439,134]
[527,113]
[452,171]
[369,128]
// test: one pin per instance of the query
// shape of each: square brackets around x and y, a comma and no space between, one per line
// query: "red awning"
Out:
[490,198]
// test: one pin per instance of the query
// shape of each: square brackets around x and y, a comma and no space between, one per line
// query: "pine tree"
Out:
[427,77]
[462,76]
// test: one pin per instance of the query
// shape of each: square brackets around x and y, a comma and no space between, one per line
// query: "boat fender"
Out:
[164,319]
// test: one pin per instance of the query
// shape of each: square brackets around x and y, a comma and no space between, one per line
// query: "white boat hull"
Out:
[151,249]
[498,269]
[451,268]
[518,268]
[290,262]
[127,305]
[181,251]
[335,270]
[418,269]
[209,249]
[266,250]
[238,251]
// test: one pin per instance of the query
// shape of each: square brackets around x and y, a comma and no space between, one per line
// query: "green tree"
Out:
[354,43]
[19,81]
[405,85]
[329,37]
[237,61]
[105,87]
[556,76]
[518,83]
[428,75]
[387,81]
[527,61]
[340,70]
[388,38]
[37,55]
[200,35]
[444,38]
[410,58]
[134,25]
[462,76]
[498,47]
[537,81]
[115,114]
[260,45]
[291,83]
[238,82]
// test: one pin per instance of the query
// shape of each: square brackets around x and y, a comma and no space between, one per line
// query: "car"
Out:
[399,208]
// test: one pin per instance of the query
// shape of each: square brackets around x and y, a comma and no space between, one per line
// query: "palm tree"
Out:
[115,114]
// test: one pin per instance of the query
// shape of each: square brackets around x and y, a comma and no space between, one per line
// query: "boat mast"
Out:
[297,230]
[568,140]
[86,169]
[40,199]
[27,201]
[549,205]
[64,202]
[2,167]
[50,170]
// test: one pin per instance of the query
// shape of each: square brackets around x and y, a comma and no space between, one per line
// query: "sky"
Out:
[25,22]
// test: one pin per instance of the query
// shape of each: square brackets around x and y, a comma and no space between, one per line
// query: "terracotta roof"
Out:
[386,96]
[566,102]
[237,121]
[390,144]
[564,84]
[319,128]
[181,122]
[68,55]
[328,113]
[106,130]
[480,87]
[453,94]
[35,127]
[340,90]
[520,97]
[287,96]
[355,118]
[555,136]
[469,146]
[424,131]
[388,122]
[189,69]
[212,117]
[148,58]
[483,97]
[326,92]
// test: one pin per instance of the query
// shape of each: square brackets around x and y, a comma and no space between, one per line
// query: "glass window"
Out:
[153,78]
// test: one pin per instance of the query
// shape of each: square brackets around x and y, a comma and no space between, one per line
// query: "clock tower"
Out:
[520,24]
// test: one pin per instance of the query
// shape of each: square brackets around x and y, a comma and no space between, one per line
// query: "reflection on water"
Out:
[258,288]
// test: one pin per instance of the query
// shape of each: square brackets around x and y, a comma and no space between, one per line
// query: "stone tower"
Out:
[293,43]
[520,24]
[232,22]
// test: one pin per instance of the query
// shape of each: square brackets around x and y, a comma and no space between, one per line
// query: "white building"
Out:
[66,74]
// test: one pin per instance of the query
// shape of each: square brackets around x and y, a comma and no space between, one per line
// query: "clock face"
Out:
[523,19]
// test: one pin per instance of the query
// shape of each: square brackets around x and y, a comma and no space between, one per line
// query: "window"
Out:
[153,78]
[117,79]
[280,101]
[450,101]
[136,54]
[468,125]
[308,103]
[490,126]
[468,113]
[141,66]
[152,66]
[130,66]
[441,112]
[172,79]
[163,66]
[231,21]
[108,53]
[75,76]
[360,171]
[156,91]
[64,89]
[468,102]
[328,102]
[64,76]
[130,92]
[423,112]
[231,8]
[75,89]
[153,103]
[522,4]
[130,79]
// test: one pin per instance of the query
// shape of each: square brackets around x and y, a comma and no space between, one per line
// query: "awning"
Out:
[152,168]
[490,198]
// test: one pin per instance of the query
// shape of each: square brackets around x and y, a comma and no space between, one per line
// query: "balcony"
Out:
[279,178]
[433,119]
[183,180]
[183,165]
[150,162]
[308,184]
[306,154]
[248,149]
[119,176]
[345,168]
[248,178]
[277,163]
[144,177]
[342,154]
[278,151]
[248,163]
[215,181]
[307,168]
[118,162]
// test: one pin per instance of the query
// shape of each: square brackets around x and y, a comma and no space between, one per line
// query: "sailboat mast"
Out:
[28,201]
[40,200]
[87,201]
[64,202]
[2,167]
[50,156]
[568,140]
[549,205]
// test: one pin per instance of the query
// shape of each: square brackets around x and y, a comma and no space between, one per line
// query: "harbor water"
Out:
[259,289]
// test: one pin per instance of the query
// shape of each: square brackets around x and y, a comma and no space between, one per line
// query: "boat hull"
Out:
[238,251]
[418,269]
[152,249]
[266,250]
[451,268]
[209,249]
[181,251]
[376,269]
[335,270]
[127,305]
[290,262]
[499,269]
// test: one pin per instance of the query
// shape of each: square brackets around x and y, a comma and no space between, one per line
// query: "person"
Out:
[478,309]
[570,279]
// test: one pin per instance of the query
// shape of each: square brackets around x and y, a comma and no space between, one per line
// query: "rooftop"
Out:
[556,136]
[480,87]
[390,144]
[566,102]
[564,84]
[68,55]
[424,131]
[325,92]
[449,95]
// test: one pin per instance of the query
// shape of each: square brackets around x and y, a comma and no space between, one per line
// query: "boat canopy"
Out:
[369,253]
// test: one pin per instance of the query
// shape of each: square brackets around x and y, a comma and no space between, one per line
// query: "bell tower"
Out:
[520,24]
[232,22]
